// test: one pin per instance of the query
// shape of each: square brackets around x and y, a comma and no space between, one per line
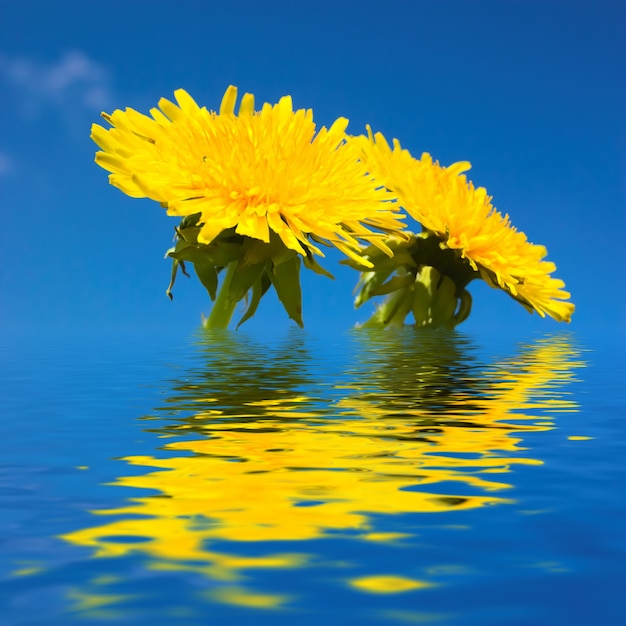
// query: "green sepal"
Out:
[256,251]
[244,277]
[175,265]
[375,321]
[465,307]
[382,262]
[393,284]
[259,289]
[421,304]
[285,277]
[287,254]
[424,291]
[190,220]
[189,229]
[370,280]
[395,244]
[430,277]
[311,263]
[206,273]
[396,308]
[354,265]
[168,291]
[222,253]
[319,240]
[188,235]
[444,303]
[219,254]
[203,264]
[181,250]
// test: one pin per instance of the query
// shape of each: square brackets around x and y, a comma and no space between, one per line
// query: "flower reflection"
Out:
[420,425]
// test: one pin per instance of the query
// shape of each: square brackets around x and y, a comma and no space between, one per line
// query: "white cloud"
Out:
[74,81]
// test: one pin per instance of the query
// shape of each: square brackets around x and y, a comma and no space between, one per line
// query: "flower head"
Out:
[256,172]
[445,203]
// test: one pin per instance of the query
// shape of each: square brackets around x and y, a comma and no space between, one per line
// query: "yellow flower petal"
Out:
[228,101]
[443,201]
[255,171]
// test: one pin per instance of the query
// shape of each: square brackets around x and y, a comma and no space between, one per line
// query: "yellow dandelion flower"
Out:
[444,202]
[256,172]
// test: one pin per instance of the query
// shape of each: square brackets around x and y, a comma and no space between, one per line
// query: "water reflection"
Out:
[259,449]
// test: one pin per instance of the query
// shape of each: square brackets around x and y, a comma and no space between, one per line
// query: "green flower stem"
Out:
[223,307]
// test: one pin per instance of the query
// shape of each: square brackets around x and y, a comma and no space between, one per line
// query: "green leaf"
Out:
[286,280]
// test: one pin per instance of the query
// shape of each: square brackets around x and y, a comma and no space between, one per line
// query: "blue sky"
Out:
[532,93]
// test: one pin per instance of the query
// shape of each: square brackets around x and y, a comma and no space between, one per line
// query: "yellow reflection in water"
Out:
[263,448]
[388,584]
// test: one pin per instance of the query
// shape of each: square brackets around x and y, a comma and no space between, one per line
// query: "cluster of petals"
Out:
[254,171]
[443,201]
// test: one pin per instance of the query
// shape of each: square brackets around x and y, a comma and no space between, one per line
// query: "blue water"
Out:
[347,479]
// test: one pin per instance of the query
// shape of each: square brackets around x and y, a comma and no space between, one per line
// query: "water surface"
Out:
[349,479]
